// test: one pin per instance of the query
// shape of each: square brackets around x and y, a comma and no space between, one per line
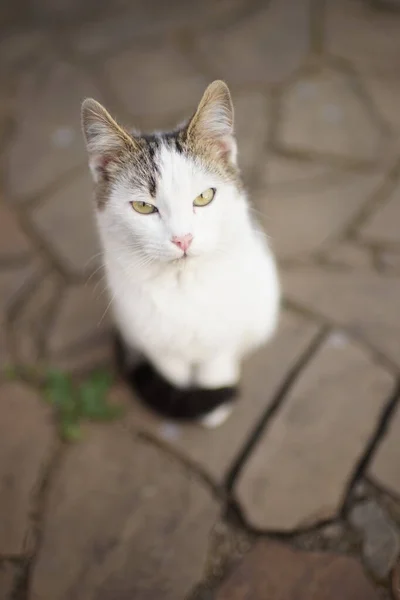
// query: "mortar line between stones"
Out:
[392,404]
[22,587]
[190,465]
[273,407]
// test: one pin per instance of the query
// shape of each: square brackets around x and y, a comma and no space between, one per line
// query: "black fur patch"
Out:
[167,400]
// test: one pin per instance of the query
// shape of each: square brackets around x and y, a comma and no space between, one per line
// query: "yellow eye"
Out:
[144,208]
[205,198]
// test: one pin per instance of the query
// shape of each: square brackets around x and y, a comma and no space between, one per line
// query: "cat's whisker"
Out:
[102,266]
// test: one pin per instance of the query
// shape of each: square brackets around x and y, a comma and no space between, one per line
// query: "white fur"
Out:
[217,417]
[195,318]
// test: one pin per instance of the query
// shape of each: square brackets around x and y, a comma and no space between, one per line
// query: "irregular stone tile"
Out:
[383,225]
[267,47]
[323,113]
[389,260]
[299,470]
[303,221]
[8,573]
[95,354]
[251,125]
[368,37]
[66,221]
[30,324]
[179,89]
[27,438]
[291,175]
[385,94]
[381,541]
[17,48]
[66,11]
[83,315]
[47,141]
[385,464]
[14,243]
[123,520]
[348,254]
[12,284]
[366,303]
[396,581]
[141,18]
[263,374]
[272,570]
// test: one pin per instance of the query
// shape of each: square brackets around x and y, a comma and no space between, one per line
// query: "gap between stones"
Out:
[272,409]
[22,585]
[373,444]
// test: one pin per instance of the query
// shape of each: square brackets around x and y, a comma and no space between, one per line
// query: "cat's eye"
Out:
[205,198]
[144,208]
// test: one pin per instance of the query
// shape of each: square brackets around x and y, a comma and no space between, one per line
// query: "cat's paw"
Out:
[217,417]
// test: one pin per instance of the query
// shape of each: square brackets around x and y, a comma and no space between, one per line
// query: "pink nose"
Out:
[182,241]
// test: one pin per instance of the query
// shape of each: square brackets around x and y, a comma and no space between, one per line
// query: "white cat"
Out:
[193,283]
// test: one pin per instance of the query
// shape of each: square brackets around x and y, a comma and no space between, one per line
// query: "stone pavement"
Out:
[145,509]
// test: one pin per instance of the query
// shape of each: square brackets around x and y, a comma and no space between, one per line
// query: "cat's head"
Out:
[169,195]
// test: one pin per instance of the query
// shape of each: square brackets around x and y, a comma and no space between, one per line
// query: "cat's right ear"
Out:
[106,141]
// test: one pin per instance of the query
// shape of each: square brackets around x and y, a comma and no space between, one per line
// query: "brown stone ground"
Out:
[145,509]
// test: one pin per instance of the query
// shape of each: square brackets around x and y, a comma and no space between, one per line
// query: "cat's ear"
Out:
[212,123]
[106,141]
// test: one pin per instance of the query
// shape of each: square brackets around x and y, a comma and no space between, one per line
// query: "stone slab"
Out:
[385,464]
[366,303]
[298,472]
[27,438]
[383,225]
[274,571]
[266,47]
[47,141]
[306,217]
[65,220]
[323,113]
[123,520]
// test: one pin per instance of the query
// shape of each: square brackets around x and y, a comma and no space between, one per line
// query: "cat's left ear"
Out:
[106,141]
[212,123]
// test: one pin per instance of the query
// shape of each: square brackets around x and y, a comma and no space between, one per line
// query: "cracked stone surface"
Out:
[14,243]
[29,329]
[150,18]
[367,306]
[179,89]
[27,437]
[348,254]
[316,92]
[332,205]
[292,575]
[381,227]
[322,113]
[8,573]
[47,142]
[124,520]
[82,315]
[251,51]
[66,222]
[385,465]
[298,472]
[12,284]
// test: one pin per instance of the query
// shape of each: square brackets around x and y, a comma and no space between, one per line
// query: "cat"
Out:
[193,283]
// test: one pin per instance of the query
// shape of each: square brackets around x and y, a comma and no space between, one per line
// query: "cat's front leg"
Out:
[175,369]
[218,372]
